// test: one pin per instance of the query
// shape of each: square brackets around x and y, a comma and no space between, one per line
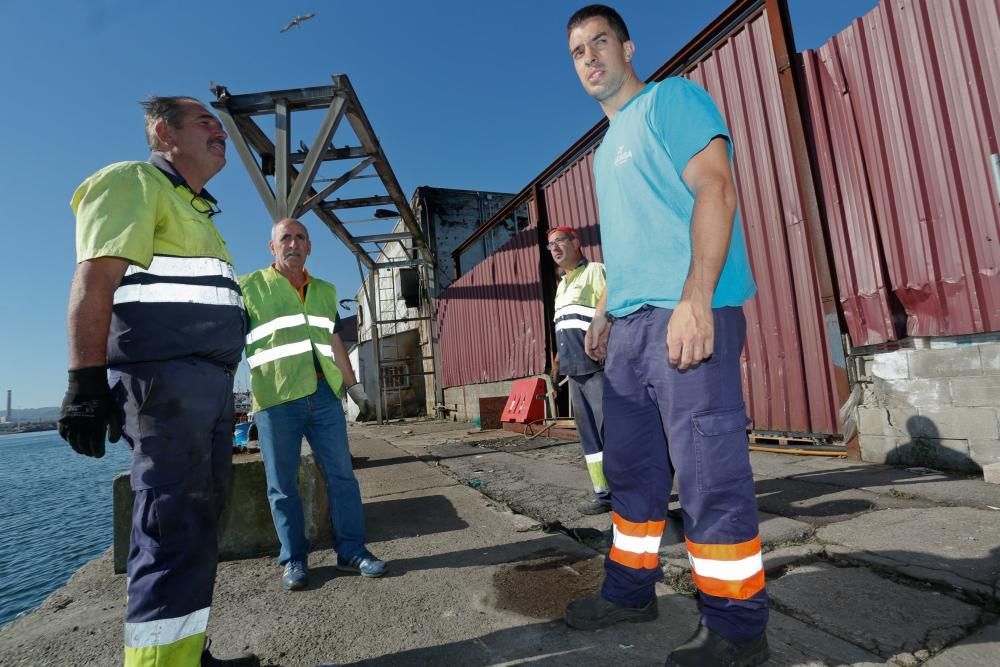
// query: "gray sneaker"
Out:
[296,575]
[365,564]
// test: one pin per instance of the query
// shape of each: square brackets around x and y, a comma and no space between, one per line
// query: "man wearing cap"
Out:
[298,370]
[576,298]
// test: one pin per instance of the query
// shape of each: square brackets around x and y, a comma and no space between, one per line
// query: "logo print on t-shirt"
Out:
[622,156]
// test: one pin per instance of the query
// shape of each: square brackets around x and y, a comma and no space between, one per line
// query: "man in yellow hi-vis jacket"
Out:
[576,299]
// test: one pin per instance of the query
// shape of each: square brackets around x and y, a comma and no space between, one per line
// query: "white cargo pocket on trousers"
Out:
[720,446]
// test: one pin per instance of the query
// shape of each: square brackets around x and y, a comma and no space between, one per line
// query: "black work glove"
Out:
[88,412]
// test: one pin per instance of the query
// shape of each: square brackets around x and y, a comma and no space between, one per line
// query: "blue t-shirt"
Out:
[645,206]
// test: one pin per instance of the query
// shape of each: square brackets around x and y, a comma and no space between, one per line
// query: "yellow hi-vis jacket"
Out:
[284,335]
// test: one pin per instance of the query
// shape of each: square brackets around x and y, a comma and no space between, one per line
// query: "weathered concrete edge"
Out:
[245,528]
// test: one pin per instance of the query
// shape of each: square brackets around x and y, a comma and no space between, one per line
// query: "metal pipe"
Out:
[373,327]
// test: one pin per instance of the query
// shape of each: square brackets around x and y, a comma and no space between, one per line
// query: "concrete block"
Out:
[872,421]
[989,355]
[991,473]
[891,365]
[865,368]
[984,452]
[938,453]
[903,422]
[976,391]
[956,422]
[926,393]
[245,528]
[877,448]
[953,362]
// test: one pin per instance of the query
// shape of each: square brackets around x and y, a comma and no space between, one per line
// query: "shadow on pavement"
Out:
[410,517]
[552,545]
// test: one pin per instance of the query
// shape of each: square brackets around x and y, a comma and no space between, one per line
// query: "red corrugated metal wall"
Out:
[905,106]
[571,201]
[491,321]
[788,368]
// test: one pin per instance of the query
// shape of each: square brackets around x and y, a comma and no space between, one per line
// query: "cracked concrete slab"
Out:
[876,614]
[820,504]
[795,644]
[937,487]
[955,546]
[979,648]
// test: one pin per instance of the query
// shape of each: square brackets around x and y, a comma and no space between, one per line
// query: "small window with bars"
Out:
[396,376]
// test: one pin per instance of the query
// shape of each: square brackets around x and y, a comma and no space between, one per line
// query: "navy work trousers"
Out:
[179,425]
[661,422]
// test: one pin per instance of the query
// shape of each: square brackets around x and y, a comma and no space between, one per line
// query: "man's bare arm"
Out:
[691,333]
[91,297]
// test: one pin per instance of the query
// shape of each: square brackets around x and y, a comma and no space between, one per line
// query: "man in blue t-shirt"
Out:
[670,327]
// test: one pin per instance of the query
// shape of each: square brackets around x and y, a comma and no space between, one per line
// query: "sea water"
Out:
[55,514]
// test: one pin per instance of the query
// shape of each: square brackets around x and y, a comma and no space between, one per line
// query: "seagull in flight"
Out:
[297,20]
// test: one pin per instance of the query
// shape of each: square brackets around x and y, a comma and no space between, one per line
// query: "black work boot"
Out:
[707,648]
[593,505]
[245,660]
[594,612]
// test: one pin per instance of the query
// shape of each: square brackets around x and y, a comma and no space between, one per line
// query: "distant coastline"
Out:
[28,428]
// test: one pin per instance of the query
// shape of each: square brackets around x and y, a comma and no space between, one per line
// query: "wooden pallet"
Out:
[563,429]
[795,444]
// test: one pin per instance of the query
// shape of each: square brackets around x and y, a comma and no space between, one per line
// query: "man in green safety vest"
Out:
[298,370]
[576,298]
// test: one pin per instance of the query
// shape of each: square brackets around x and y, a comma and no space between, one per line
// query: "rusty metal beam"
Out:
[399,264]
[311,165]
[257,104]
[261,143]
[363,130]
[346,153]
[293,193]
[246,155]
[282,141]
[357,202]
[384,238]
[335,185]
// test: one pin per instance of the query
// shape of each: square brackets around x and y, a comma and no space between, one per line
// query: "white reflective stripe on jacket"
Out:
[178,293]
[287,322]
[185,267]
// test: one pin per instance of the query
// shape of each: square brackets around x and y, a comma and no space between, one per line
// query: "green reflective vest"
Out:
[285,334]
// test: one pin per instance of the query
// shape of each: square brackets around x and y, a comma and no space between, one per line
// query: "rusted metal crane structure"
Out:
[287,178]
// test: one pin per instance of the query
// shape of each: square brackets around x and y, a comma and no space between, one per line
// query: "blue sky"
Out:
[475,95]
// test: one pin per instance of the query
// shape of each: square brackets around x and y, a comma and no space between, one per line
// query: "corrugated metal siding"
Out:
[905,109]
[491,320]
[571,201]
[788,369]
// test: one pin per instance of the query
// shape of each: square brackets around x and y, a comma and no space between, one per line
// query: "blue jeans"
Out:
[320,418]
